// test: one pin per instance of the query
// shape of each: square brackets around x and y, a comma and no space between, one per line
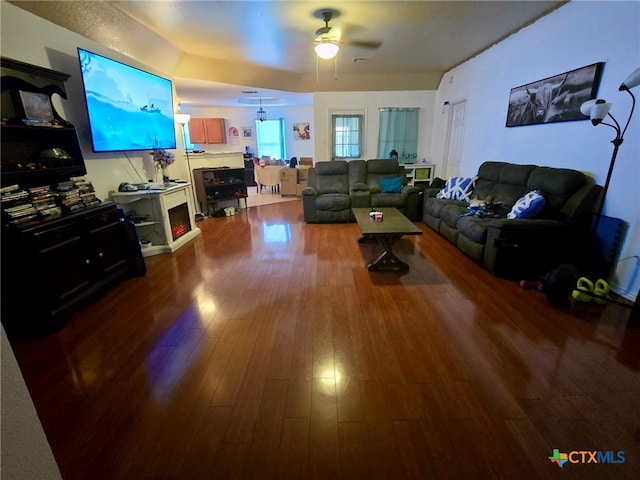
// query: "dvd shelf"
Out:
[419,174]
[61,245]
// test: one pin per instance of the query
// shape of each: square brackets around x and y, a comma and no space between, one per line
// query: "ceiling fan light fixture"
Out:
[327,49]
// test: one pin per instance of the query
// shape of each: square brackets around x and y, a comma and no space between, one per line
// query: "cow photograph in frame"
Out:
[554,99]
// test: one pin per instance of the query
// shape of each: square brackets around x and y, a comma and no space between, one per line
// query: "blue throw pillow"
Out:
[528,206]
[457,188]
[391,185]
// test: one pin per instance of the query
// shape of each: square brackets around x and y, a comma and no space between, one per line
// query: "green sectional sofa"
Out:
[517,247]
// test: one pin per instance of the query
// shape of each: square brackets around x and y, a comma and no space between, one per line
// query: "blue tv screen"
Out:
[128,108]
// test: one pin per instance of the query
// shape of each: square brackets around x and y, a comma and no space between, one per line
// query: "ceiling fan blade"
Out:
[323,31]
[362,44]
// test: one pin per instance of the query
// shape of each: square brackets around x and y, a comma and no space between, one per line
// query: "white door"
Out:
[455,136]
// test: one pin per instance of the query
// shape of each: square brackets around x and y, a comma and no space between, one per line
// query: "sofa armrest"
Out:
[524,248]
[409,190]
[309,195]
[412,195]
[360,198]
[431,192]
[359,187]
[512,233]
[526,225]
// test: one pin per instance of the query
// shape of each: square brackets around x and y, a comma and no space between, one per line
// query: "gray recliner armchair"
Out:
[326,198]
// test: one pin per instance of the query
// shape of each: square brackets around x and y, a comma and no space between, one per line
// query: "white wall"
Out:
[48,45]
[246,117]
[578,34]
[24,447]
[370,103]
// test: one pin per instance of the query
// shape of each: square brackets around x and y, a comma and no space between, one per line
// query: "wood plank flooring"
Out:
[264,349]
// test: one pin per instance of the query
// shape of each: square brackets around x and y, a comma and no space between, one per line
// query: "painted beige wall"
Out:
[369,103]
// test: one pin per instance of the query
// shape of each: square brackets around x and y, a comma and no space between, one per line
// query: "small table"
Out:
[393,226]
[268,175]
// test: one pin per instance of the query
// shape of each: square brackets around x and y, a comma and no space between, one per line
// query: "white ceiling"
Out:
[416,37]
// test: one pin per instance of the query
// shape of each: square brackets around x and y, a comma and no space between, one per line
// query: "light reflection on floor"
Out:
[330,379]
[172,355]
[276,233]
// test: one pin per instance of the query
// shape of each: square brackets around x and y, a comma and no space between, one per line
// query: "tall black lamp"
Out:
[598,111]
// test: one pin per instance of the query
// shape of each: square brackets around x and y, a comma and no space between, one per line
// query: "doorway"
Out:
[455,138]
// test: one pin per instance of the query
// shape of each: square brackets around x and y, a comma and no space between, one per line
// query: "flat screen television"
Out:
[128,108]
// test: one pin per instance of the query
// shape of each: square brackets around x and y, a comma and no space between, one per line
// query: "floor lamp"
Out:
[183,119]
[598,110]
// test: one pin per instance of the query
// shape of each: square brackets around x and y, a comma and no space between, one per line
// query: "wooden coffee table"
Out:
[393,226]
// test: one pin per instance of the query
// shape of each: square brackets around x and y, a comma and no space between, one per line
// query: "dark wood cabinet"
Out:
[214,185]
[36,152]
[249,165]
[51,264]
[51,267]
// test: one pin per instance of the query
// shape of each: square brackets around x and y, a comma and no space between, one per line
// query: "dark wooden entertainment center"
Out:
[51,263]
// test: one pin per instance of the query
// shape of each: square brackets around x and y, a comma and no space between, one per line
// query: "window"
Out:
[270,138]
[347,136]
[399,132]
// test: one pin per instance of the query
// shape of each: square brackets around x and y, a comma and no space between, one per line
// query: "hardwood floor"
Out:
[265,349]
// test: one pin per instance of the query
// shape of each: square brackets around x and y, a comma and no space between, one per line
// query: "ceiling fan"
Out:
[327,45]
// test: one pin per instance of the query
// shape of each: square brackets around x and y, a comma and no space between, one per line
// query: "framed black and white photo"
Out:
[36,106]
[554,99]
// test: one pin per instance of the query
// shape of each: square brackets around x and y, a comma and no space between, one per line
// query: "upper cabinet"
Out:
[207,130]
[39,147]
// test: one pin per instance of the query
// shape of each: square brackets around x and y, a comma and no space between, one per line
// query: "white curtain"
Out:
[347,136]
[399,132]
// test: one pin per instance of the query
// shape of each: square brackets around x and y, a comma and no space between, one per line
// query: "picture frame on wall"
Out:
[554,99]
[247,132]
[233,132]
[301,131]
[35,106]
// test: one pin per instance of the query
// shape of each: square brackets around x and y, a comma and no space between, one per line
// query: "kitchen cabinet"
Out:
[207,130]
